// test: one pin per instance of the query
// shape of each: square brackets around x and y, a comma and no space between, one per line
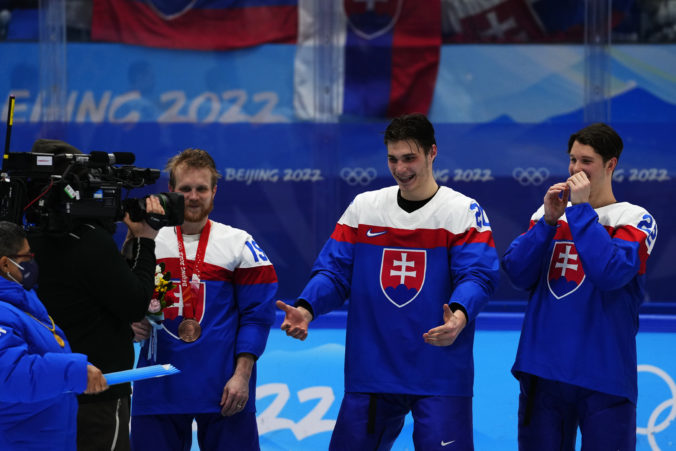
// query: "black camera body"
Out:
[53,193]
[173,204]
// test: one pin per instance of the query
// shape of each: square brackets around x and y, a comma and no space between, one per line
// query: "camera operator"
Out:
[94,294]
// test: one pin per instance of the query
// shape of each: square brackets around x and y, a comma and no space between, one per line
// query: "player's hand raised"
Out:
[580,188]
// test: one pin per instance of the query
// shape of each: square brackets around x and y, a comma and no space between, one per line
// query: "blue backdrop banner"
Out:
[287,181]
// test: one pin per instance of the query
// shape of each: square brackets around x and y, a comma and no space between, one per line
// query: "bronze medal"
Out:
[189,330]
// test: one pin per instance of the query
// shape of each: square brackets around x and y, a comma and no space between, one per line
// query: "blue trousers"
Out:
[550,413]
[214,432]
[373,422]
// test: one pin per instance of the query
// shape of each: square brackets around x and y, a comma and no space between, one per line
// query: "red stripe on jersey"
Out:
[255,275]
[209,271]
[387,236]
[474,236]
[630,233]
[563,231]
[344,233]
[424,238]
[627,233]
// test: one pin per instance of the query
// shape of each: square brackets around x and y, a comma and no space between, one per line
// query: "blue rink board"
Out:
[300,387]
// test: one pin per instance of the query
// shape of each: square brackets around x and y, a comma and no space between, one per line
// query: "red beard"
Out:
[199,215]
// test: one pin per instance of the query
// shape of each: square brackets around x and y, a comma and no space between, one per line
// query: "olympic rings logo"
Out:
[651,429]
[358,176]
[530,176]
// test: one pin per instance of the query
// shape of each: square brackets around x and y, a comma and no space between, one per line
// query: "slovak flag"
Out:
[195,24]
[366,58]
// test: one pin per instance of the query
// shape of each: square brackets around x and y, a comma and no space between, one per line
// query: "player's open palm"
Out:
[296,320]
[446,334]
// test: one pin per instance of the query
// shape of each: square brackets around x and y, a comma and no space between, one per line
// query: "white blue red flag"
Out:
[366,58]
[195,24]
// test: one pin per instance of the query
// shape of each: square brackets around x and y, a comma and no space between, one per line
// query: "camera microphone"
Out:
[103,158]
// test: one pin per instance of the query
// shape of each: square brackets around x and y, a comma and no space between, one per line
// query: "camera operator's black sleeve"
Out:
[94,295]
[127,291]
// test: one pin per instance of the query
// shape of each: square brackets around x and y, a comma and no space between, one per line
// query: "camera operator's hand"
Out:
[141,330]
[142,229]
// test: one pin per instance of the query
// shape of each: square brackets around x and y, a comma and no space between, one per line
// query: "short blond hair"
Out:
[195,159]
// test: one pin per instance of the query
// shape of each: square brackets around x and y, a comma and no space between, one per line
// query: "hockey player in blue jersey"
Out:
[583,261]
[216,331]
[418,263]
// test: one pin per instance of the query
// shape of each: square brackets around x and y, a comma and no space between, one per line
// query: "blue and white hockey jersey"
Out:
[586,278]
[235,308]
[398,269]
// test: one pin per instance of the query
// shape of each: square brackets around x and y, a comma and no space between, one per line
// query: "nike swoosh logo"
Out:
[443,443]
[371,234]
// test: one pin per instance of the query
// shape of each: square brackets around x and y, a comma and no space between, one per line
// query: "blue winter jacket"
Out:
[38,378]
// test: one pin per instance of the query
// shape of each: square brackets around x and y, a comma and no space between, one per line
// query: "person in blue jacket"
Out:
[418,262]
[583,262]
[40,375]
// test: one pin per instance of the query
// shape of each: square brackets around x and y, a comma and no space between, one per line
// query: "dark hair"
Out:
[601,137]
[194,159]
[415,127]
[11,238]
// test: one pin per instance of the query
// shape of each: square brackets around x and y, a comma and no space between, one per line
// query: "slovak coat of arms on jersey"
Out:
[402,274]
[565,270]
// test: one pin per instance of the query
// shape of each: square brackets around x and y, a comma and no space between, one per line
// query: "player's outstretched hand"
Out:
[296,320]
[446,334]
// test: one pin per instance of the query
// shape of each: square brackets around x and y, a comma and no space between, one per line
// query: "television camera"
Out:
[52,192]
[55,186]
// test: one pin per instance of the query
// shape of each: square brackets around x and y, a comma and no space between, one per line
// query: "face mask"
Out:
[29,273]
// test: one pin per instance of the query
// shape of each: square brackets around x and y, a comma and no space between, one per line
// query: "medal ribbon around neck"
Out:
[186,289]
[52,329]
